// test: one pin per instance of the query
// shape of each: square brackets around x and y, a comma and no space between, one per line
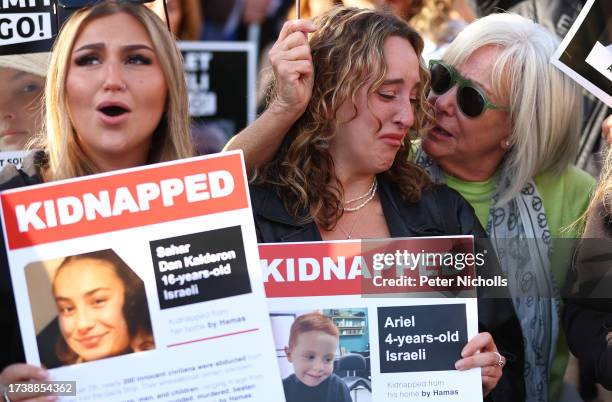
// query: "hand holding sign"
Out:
[292,63]
[481,351]
[23,372]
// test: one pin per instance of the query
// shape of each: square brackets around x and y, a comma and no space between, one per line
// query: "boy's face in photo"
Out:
[313,357]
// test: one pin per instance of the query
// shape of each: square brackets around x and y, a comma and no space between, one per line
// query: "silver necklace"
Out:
[349,234]
[361,197]
[371,192]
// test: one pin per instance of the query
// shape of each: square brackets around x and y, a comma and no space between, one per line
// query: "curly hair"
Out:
[347,53]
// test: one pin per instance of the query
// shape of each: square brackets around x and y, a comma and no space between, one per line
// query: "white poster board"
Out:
[144,284]
[407,332]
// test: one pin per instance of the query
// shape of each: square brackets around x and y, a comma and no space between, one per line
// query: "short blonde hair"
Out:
[545,104]
[171,138]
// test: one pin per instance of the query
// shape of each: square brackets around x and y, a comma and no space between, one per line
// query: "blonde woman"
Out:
[101,84]
[506,135]
[115,98]
[587,317]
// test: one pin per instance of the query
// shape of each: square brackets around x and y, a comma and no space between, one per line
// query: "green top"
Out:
[565,198]
[477,193]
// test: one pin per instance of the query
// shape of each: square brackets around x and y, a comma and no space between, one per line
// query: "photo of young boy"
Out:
[313,341]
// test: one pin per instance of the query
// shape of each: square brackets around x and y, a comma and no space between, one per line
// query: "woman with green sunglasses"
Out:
[505,136]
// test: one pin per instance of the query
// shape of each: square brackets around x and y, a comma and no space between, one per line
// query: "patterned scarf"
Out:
[521,238]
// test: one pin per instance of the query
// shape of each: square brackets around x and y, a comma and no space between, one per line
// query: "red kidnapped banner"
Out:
[311,269]
[385,266]
[123,200]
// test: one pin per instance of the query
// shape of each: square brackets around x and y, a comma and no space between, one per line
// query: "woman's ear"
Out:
[505,144]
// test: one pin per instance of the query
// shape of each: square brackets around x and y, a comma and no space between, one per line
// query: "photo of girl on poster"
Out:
[100,309]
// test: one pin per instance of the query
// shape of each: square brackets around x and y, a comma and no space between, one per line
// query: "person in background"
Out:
[587,316]
[184,16]
[207,138]
[226,20]
[100,116]
[23,79]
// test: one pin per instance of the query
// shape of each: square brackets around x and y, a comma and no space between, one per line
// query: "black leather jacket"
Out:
[442,211]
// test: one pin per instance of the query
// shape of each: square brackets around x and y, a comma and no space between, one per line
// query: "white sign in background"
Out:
[26,27]
[600,58]
[12,158]
[583,81]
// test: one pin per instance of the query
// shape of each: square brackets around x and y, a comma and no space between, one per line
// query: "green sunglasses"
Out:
[471,100]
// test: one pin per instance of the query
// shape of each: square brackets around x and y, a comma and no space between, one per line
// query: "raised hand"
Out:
[292,64]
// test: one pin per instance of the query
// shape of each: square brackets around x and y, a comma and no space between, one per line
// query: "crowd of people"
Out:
[375,125]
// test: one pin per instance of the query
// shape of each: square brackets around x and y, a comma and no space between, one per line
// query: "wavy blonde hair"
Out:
[347,53]
[603,192]
[171,140]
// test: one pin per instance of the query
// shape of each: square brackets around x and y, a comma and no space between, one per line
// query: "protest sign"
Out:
[404,309]
[144,284]
[585,54]
[12,158]
[26,26]
[221,85]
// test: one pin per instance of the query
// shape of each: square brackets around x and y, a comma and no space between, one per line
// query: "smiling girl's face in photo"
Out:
[89,297]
